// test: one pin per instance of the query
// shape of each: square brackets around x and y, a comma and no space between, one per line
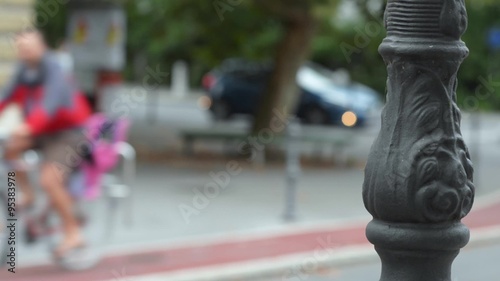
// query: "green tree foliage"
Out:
[479,76]
[199,32]
[204,33]
[52,22]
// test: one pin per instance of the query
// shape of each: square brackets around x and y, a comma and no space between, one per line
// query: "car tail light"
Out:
[208,81]
[204,102]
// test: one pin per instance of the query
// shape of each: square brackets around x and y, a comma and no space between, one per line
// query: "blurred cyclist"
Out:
[54,113]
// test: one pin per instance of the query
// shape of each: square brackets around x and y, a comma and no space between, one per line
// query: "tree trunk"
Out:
[282,93]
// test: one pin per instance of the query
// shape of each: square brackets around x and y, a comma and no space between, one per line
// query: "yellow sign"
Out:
[81,32]
[113,34]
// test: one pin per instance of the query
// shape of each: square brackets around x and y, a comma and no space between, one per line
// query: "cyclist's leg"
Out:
[53,180]
[16,146]
[61,157]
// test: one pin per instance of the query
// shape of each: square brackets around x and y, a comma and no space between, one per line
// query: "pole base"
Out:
[416,252]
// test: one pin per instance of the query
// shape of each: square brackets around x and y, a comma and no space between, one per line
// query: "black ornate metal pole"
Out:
[418,180]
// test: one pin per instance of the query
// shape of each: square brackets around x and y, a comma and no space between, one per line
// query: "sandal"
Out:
[61,254]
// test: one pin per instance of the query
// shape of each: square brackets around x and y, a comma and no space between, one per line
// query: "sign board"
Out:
[96,38]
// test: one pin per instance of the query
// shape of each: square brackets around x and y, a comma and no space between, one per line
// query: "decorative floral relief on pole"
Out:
[420,155]
[419,177]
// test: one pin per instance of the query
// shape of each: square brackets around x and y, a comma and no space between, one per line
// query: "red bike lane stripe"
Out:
[484,217]
[168,260]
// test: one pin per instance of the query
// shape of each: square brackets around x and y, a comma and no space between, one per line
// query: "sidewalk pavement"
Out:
[282,255]
[473,263]
[183,229]
[240,234]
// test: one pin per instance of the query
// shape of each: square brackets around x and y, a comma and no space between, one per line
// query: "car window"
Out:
[253,73]
[307,76]
[313,82]
[324,72]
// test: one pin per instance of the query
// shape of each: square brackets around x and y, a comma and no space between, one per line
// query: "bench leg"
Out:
[227,148]
[188,147]
[259,157]
[340,157]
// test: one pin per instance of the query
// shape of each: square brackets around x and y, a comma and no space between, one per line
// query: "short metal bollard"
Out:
[293,169]
[121,189]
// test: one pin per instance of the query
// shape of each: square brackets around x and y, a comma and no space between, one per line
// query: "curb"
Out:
[485,236]
[283,267]
[301,266]
[315,259]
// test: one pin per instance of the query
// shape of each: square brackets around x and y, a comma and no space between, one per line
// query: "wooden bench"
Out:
[218,134]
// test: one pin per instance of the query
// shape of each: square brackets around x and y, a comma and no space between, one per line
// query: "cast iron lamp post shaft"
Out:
[418,180]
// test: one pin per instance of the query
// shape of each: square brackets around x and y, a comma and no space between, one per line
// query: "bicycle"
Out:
[115,189]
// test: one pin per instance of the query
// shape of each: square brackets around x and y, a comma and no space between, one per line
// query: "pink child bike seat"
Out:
[104,136]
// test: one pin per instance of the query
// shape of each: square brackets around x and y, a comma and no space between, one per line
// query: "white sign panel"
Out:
[96,38]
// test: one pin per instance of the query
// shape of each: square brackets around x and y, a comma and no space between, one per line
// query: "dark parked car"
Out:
[237,86]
